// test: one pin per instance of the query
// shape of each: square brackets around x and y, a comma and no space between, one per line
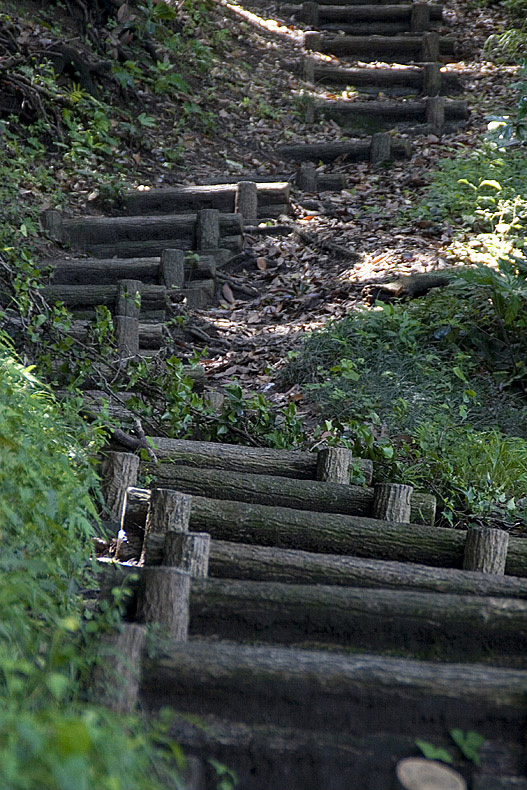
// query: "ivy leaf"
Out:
[468,743]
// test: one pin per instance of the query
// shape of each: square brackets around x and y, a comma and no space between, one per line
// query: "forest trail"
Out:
[318,628]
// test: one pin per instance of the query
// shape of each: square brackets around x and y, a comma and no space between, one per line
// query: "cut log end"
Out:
[416,773]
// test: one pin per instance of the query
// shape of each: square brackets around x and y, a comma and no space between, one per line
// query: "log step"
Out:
[359,536]
[108,271]
[153,297]
[425,48]
[313,495]
[389,115]
[253,460]
[351,150]
[146,236]
[151,335]
[408,623]
[396,13]
[273,199]
[262,563]
[330,692]
[428,80]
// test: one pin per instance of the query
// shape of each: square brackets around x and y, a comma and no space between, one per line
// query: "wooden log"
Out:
[153,297]
[208,228]
[128,298]
[127,336]
[116,677]
[306,177]
[309,495]
[391,501]
[334,465]
[236,458]
[164,600]
[380,149]
[188,552]
[337,534]
[263,563]
[150,336]
[51,223]
[329,692]
[352,150]
[95,271]
[331,182]
[118,472]
[357,13]
[390,113]
[486,550]
[193,198]
[369,48]
[167,511]
[432,79]
[402,622]
[246,200]
[173,268]
[417,773]
[200,294]
[420,17]
[436,112]
[310,13]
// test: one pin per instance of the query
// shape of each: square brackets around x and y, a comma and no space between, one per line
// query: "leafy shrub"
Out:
[49,736]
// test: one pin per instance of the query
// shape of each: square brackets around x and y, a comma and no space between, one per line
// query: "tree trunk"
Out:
[164,600]
[391,502]
[188,552]
[115,682]
[118,472]
[404,622]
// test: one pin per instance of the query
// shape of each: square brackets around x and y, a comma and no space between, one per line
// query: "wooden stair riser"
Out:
[400,16]
[389,115]
[349,151]
[273,199]
[330,692]
[399,82]
[96,271]
[424,48]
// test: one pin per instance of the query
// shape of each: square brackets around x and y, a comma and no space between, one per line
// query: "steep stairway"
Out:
[311,647]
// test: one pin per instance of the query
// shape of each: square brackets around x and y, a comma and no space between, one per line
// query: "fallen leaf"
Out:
[261,264]
[227,293]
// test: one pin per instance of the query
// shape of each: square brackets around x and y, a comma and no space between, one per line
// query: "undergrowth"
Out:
[50,735]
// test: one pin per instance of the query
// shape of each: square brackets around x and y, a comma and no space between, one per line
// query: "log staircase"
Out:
[316,628]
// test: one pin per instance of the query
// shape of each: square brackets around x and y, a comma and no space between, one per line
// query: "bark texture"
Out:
[164,599]
[486,550]
[404,622]
[118,472]
[116,678]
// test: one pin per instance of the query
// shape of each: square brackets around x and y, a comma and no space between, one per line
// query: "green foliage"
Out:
[469,743]
[50,737]
[432,752]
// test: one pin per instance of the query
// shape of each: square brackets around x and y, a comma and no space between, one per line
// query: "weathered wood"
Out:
[236,458]
[389,113]
[116,678]
[432,79]
[420,17]
[262,563]
[127,335]
[208,229]
[352,150]
[267,489]
[417,773]
[194,198]
[188,551]
[391,501]
[331,182]
[173,268]
[380,149]
[150,336]
[246,200]
[118,472]
[401,622]
[306,177]
[334,465]
[95,271]
[153,297]
[164,600]
[414,285]
[436,112]
[167,511]
[359,536]
[329,692]
[128,298]
[400,49]
[363,13]
[486,550]
[51,223]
